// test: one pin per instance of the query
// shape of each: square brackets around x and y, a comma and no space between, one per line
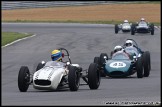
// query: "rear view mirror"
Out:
[105,57]
[43,62]
[134,57]
[67,63]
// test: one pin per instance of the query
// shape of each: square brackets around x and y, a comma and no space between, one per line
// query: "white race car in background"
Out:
[125,27]
[52,75]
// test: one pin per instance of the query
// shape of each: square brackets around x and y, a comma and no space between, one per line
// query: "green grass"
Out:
[73,21]
[8,37]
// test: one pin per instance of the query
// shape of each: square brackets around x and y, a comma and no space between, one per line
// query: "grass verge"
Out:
[73,21]
[8,37]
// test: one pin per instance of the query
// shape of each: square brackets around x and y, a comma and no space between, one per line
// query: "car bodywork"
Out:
[120,65]
[53,75]
[125,63]
[142,27]
[49,77]
[125,27]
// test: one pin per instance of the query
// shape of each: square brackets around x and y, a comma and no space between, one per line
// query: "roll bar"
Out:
[67,53]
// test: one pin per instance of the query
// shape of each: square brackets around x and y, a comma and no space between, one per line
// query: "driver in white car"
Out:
[56,55]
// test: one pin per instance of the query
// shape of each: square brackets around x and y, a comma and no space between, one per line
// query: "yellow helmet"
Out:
[56,55]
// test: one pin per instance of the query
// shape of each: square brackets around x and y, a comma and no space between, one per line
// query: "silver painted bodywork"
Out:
[52,71]
[126,26]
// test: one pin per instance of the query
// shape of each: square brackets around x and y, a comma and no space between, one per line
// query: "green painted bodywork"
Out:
[109,69]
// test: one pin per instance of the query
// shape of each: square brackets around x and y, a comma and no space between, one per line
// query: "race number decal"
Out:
[117,64]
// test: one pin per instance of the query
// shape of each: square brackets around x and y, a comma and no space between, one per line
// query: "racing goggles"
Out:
[128,44]
[118,50]
[55,57]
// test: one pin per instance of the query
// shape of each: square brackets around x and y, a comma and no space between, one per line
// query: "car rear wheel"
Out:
[152,29]
[23,79]
[102,60]
[73,78]
[116,28]
[146,63]
[133,29]
[40,66]
[139,67]
[97,60]
[111,53]
[93,76]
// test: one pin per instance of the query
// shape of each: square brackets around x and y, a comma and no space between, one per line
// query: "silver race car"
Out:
[125,27]
[54,75]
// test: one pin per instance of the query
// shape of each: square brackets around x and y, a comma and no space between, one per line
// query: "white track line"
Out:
[17,41]
[158,27]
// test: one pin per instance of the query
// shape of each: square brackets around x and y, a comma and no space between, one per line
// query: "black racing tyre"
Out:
[40,65]
[116,28]
[111,53]
[93,76]
[97,60]
[73,78]
[149,61]
[139,67]
[152,29]
[23,79]
[132,29]
[102,60]
[102,73]
[146,63]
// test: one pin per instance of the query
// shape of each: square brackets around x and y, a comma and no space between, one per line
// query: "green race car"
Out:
[123,64]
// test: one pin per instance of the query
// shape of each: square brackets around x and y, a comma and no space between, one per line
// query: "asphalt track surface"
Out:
[84,42]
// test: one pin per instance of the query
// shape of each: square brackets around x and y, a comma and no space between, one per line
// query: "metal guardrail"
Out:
[6,5]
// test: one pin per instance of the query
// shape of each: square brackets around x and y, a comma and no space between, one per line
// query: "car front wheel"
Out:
[73,78]
[139,67]
[23,79]
[93,76]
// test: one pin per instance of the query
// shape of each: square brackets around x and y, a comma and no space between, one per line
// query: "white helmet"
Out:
[117,48]
[125,21]
[128,43]
[142,19]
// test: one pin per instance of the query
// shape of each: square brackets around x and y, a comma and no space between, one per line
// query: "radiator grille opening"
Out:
[117,73]
[42,82]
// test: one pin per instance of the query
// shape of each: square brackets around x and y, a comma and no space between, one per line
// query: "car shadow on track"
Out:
[130,77]
[62,89]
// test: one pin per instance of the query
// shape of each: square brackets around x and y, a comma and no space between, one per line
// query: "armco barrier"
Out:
[6,5]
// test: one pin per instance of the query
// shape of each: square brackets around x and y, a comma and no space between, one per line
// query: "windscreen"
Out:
[55,64]
[120,56]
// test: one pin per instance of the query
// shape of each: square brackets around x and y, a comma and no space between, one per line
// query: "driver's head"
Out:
[128,43]
[56,55]
[125,21]
[117,48]
[142,19]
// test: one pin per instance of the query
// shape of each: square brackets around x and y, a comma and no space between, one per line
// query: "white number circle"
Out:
[117,64]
